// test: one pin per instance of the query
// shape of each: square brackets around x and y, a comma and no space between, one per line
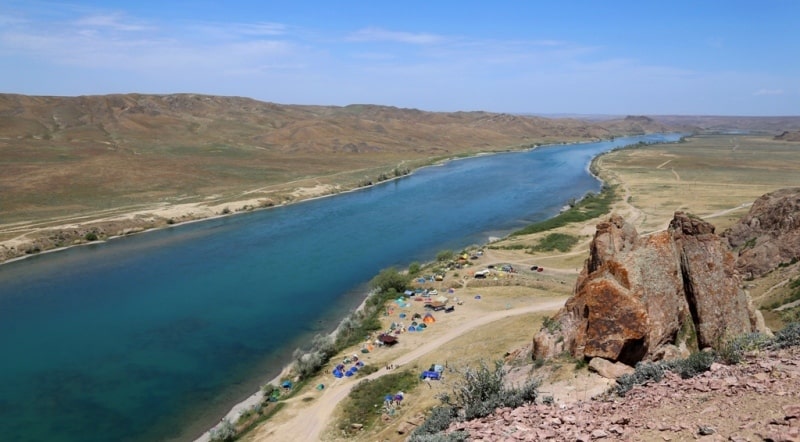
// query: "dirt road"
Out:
[308,423]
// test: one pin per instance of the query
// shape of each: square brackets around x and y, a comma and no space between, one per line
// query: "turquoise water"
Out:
[156,336]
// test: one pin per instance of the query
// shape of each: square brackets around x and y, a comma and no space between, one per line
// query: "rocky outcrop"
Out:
[755,400]
[650,297]
[769,235]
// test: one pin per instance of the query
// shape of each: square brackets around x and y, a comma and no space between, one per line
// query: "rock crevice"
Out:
[651,297]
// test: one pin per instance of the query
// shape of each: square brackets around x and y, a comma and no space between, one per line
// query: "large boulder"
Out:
[769,235]
[641,298]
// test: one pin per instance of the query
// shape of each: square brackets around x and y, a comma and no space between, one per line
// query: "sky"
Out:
[700,57]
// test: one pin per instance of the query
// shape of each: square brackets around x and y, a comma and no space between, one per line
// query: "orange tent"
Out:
[428,319]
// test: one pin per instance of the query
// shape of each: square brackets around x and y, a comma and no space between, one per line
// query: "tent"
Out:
[428,319]
[387,339]
[431,375]
[286,384]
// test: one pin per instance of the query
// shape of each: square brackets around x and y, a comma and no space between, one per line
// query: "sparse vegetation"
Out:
[551,324]
[556,241]
[223,432]
[654,371]
[589,207]
[364,404]
[445,256]
[480,391]
[730,352]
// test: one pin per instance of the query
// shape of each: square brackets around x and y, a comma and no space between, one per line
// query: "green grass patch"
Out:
[556,241]
[590,207]
[365,403]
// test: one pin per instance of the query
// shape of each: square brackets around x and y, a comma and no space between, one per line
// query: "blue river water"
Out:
[156,336]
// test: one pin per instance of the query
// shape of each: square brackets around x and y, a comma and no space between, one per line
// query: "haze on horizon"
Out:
[575,57]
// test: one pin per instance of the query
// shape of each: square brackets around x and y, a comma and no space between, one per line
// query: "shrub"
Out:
[589,207]
[438,420]
[732,350]
[308,363]
[551,324]
[479,393]
[645,372]
[789,336]
[223,432]
[445,255]
[482,391]
[556,241]
[695,364]
[364,402]
[91,236]
[389,279]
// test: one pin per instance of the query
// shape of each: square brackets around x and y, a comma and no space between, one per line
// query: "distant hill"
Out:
[199,120]
[66,155]
[728,124]
[788,136]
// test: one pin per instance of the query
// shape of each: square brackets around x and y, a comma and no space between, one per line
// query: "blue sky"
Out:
[582,57]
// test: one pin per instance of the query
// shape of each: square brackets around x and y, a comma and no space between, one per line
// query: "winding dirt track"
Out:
[308,423]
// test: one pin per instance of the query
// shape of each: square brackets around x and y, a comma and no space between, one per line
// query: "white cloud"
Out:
[113,22]
[262,28]
[761,92]
[378,34]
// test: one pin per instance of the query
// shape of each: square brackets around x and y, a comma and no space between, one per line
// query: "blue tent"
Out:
[286,384]
[337,374]
[430,375]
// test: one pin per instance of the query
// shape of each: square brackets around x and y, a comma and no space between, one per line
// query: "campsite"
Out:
[430,345]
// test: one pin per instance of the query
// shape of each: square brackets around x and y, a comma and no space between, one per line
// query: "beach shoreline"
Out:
[176,215]
[257,398]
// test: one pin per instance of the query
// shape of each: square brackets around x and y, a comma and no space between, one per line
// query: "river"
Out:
[156,336]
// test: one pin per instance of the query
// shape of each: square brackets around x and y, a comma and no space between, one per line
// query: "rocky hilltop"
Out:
[769,235]
[651,297]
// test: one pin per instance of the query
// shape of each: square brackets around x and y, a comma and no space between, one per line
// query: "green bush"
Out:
[695,364]
[438,420]
[556,241]
[478,394]
[223,432]
[645,372]
[482,391]
[732,350]
[363,404]
[789,336]
[390,278]
[91,236]
[445,255]
[591,206]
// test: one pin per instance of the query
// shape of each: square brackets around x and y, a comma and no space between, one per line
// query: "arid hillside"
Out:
[76,169]
[63,155]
